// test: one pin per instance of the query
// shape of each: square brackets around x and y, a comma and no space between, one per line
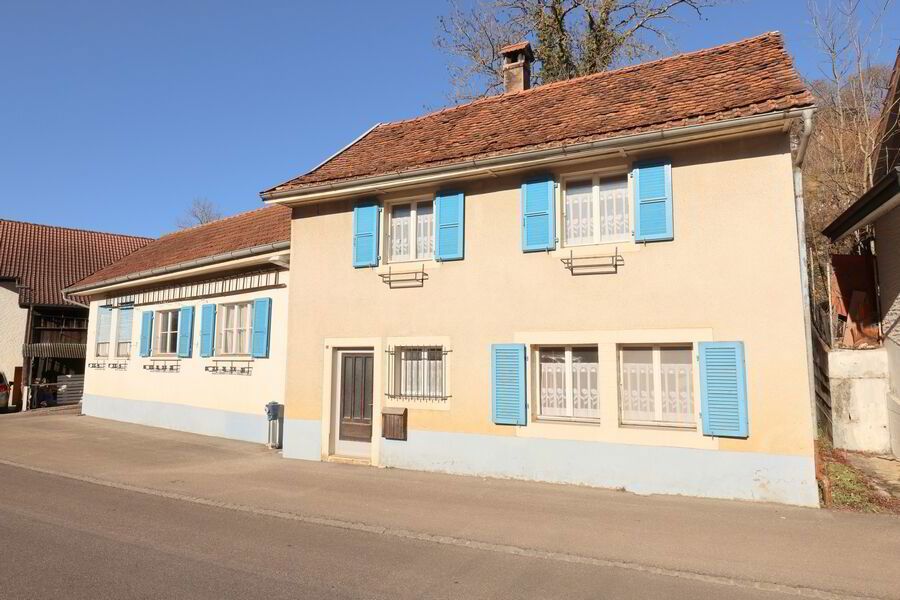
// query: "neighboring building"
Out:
[189,332]
[866,404]
[42,333]
[596,281]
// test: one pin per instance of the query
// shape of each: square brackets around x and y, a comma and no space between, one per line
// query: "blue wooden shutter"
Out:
[538,210]
[723,389]
[262,317]
[508,384]
[449,226]
[365,234]
[146,332]
[653,201]
[185,331]
[207,329]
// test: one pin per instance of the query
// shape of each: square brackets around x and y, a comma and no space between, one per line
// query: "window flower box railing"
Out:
[163,365]
[237,366]
[593,265]
[404,279]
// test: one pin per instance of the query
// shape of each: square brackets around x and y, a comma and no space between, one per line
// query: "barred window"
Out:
[418,373]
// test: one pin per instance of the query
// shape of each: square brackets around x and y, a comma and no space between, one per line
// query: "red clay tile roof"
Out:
[44,259]
[267,225]
[749,77]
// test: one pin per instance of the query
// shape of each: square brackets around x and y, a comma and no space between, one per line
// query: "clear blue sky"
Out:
[114,115]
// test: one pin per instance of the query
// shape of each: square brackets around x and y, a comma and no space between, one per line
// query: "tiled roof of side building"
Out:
[45,259]
[252,229]
[745,78]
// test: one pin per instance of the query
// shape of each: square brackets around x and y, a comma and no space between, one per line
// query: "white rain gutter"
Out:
[490,166]
[806,128]
[199,262]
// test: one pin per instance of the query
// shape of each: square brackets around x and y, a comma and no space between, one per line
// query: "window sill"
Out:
[658,426]
[407,266]
[567,421]
[603,249]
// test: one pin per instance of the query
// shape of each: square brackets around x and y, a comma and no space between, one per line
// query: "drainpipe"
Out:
[805,132]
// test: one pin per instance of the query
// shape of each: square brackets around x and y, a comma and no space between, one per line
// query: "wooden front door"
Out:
[355,423]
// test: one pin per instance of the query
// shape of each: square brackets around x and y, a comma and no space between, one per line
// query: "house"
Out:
[597,281]
[867,415]
[42,332]
[189,332]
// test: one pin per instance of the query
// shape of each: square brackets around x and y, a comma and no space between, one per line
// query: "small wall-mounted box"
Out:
[393,423]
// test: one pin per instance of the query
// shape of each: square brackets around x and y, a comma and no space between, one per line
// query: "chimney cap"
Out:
[513,49]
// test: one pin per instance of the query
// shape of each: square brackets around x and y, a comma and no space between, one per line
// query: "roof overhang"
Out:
[229,260]
[507,163]
[880,199]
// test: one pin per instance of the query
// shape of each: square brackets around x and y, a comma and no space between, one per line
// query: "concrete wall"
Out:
[859,408]
[887,239]
[192,399]
[13,322]
[732,273]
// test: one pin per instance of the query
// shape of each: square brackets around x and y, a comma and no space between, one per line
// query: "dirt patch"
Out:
[847,487]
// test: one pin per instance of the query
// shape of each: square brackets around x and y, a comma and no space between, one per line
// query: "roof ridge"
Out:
[225,218]
[582,78]
[79,229]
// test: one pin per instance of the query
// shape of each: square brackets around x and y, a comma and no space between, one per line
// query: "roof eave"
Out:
[225,257]
[880,198]
[332,190]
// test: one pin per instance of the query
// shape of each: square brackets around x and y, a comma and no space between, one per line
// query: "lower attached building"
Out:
[197,342]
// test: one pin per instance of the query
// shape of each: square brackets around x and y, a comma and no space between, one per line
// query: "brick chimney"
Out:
[517,66]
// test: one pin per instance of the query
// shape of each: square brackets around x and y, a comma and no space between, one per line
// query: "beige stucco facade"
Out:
[887,239]
[732,273]
[223,403]
[13,321]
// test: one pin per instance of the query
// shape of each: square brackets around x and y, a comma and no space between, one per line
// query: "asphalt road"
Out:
[63,538]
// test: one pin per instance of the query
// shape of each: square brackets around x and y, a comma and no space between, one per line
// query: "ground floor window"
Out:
[123,331]
[569,382]
[418,373]
[656,386]
[166,325]
[233,323]
[104,320]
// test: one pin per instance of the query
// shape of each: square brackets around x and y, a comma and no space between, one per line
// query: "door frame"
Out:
[329,391]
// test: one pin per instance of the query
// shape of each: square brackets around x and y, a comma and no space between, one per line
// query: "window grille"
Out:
[569,382]
[417,373]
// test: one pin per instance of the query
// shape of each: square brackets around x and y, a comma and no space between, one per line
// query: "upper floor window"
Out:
[104,321]
[166,325]
[123,331]
[657,385]
[596,210]
[569,382]
[411,231]
[233,335]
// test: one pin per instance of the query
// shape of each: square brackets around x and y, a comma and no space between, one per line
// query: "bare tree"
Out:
[850,95]
[201,211]
[570,37]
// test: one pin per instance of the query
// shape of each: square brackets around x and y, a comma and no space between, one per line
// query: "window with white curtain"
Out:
[166,326]
[656,385]
[411,231]
[123,331]
[104,321]
[233,324]
[569,382]
[596,210]
[419,373]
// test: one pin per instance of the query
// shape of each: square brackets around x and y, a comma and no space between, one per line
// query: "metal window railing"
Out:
[417,373]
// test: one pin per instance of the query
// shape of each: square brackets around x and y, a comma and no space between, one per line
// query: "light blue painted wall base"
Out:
[205,421]
[639,469]
[302,439]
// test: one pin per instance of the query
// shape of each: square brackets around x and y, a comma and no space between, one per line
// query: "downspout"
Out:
[805,132]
